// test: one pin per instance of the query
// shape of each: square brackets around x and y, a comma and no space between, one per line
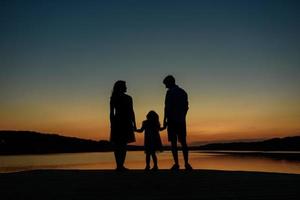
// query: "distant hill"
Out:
[275,144]
[28,142]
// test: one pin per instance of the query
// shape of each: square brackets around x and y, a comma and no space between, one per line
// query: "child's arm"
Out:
[141,129]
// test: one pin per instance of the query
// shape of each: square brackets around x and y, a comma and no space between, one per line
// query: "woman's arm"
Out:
[111,113]
[132,114]
[133,119]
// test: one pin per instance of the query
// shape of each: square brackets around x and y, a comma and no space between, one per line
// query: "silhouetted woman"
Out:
[122,120]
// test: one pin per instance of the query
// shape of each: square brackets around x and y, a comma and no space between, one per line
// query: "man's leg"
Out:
[175,154]
[172,137]
[185,152]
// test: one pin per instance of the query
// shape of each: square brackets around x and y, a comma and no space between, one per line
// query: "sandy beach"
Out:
[138,184]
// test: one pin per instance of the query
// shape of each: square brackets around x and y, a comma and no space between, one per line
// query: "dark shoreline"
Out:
[276,155]
[288,155]
[138,184]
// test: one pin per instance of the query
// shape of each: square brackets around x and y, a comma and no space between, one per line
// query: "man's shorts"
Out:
[177,130]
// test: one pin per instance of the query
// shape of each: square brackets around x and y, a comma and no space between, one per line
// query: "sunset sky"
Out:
[238,60]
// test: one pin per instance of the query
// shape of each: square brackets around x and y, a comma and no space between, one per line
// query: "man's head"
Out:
[169,81]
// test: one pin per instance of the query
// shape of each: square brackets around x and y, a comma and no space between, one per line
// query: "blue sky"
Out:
[59,59]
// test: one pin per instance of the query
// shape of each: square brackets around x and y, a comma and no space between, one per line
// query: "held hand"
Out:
[139,130]
[165,124]
[162,128]
[134,127]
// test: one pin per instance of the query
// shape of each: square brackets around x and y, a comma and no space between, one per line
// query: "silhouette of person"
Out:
[176,107]
[152,141]
[122,120]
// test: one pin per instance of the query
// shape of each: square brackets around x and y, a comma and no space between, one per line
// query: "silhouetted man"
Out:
[176,107]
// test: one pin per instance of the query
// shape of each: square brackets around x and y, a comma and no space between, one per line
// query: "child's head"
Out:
[152,116]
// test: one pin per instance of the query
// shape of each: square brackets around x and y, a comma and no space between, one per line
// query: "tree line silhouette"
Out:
[29,142]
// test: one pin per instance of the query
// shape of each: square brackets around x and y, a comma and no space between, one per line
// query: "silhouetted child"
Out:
[152,141]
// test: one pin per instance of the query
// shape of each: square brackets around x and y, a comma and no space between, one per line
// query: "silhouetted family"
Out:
[123,125]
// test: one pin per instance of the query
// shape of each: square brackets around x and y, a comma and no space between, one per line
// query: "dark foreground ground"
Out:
[137,184]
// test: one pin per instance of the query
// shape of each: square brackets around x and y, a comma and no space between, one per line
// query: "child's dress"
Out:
[152,141]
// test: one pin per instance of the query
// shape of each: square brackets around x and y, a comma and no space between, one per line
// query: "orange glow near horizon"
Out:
[205,122]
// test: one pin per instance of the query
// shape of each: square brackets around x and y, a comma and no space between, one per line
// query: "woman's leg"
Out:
[120,154]
[123,154]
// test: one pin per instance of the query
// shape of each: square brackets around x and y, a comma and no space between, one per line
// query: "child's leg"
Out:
[154,160]
[147,160]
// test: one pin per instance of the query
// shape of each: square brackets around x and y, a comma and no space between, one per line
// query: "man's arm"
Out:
[187,103]
[165,122]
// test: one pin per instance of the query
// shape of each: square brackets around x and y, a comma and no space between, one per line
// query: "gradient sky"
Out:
[239,61]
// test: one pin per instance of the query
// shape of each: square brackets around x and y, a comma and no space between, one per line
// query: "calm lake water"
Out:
[135,160]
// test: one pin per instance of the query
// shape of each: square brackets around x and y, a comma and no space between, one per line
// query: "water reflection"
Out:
[136,160]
